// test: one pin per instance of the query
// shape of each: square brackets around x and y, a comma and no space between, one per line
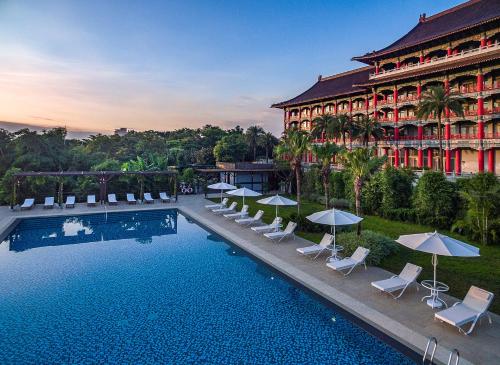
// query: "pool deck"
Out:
[407,319]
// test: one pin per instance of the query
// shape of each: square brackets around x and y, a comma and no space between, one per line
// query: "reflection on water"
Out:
[55,231]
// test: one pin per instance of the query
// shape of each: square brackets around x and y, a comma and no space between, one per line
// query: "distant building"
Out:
[122,131]
[458,49]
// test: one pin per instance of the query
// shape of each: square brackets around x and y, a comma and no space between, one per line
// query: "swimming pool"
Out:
[155,287]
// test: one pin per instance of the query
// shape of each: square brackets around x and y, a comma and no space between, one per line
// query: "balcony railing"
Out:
[495,110]
[439,60]
[492,135]
[405,98]
[463,136]
[404,118]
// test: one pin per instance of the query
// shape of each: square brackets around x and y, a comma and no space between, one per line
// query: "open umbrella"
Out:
[221,186]
[244,192]
[277,201]
[334,217]
[437,244]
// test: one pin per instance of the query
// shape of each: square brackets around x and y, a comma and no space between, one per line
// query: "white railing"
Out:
[459,56]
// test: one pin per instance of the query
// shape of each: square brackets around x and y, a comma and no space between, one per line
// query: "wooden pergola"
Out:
[102,177]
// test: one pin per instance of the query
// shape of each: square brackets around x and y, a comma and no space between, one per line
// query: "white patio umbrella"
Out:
[277,200]
[437,244]
[221,186]
[243,192]
[334,217]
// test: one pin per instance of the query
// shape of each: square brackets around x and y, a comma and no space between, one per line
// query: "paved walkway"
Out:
[407,320]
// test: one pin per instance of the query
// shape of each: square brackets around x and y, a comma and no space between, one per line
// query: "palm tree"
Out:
[343,125]
[324,153]
[361,163]
[253,134]
[268,141]
[367,127]
[434,103]
[139,164]
[292,147]
[324,125]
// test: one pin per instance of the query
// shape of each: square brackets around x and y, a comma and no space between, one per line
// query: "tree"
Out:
[434,103]
[360,163]
[324,125]
[253,135]
[292,147]
[268,141]
[324,153]
[139,164]
[367,128]
[231,148]
[343,125]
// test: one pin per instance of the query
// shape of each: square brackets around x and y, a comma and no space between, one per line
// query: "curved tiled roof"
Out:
[328,87]
[458,18]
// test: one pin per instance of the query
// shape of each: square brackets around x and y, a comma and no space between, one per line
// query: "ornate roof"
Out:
[328,87]
[459,18]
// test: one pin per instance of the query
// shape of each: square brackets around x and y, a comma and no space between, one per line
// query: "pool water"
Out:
[155,287]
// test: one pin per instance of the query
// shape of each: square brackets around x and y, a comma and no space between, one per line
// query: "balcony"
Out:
[492,135]
[492,111]
[385,102]
[408,98]
[407,118]
[440,60]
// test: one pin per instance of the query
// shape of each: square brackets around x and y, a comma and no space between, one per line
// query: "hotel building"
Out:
[458,49]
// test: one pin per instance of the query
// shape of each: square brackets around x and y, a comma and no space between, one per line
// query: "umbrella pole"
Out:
[221,196]
[276,228]
[434,263]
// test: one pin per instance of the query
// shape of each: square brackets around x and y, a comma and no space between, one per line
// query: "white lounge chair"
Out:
[251,220]
[274,226]
[223,204]
[91,201]
[242,213]
[49,202]
[231,208]
[70,201]
[112,199]
[28,204]
[148,199]
[164,197]
[280,235]
[349,263]
[474,306]
[318,249]
[402,281]
[131,198]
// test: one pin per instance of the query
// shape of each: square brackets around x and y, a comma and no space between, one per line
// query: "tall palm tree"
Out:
[253,134]
[434,103]
[268,141]
[292,147]
[343,126]
[324,153]
[324,125]
[361,163]
[367,127]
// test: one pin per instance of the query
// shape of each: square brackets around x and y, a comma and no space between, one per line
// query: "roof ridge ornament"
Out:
[422,18]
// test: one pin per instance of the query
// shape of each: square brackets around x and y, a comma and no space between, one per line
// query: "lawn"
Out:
[458,273]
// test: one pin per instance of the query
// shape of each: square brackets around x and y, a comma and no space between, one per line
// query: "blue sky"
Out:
[98,65]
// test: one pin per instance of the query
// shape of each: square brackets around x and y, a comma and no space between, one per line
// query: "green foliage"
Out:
[338,184]
[379,245]
[311,185]
[231,148]
[435,200]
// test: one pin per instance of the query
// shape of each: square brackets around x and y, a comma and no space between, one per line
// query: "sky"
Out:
[94,65]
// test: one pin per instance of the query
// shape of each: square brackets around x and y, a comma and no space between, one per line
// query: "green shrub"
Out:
[312,187]
[401,214]
[379,245]
[372,195]
[305,225]
[337,185]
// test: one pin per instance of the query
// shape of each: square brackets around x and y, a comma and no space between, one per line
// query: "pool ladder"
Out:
[454,354]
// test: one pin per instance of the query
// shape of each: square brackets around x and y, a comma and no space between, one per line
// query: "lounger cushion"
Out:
[457,315]
[390,285]
[275,234]
[341,264]
[310,249]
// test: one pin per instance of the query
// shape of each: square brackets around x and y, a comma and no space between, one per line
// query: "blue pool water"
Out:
[154,287]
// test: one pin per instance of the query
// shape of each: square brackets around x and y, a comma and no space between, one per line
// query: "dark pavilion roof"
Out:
[328,87]
[459,18]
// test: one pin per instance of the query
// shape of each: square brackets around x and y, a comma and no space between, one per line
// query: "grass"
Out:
[458,273]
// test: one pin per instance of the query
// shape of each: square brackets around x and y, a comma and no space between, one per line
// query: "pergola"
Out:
[102,177]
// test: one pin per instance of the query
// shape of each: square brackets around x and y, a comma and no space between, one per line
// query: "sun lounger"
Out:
[274,226]
[407,277]
[242,213]
[131,199]
[70,201]
[112,199]
[28,204]
[474,306]
[280,235]
[231,208]
[148,199]
[91,200]
[219,205]
[49,202]
[349,263]
[164,197]
[251,220]
[317,250]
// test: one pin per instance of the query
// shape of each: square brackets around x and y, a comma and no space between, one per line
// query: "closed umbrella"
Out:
[243,192]
[277,200]
[221,186]
[334,217]
[437,244]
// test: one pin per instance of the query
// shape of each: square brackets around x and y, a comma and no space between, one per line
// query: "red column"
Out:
[407,157]
[419,91]
[429,158]
[395,94]
[483,42]
[323,109]
[458,161]
[377,68]
[480,160]
[396,128]
[448,51]
[398,64]
[447,131]
[447,165]
[421,58]
[396,158]
[366,103]
[350,106]
[480,106]
[420,158]
[420,132]
[375,105]
[491,160]
[335,107]
[479,81]
[386,151]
